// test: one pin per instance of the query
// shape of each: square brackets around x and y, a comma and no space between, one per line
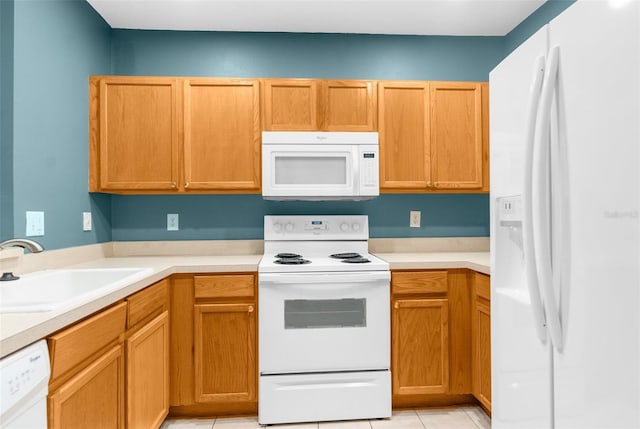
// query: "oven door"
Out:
[315,322]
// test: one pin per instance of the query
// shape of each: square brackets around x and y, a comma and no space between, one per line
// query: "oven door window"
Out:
[325,313]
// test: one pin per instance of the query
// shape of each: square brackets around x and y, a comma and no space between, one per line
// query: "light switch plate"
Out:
[172,222]
[35,224]
[86,221]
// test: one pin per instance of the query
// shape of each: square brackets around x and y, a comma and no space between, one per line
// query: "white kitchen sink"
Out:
[53,289]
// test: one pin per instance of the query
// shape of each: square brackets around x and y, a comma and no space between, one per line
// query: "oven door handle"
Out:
[316,278]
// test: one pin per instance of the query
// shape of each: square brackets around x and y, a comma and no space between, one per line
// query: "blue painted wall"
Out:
[537,19]
[206,217]
[50,47]
[341,56]
[56,46]
[6,119]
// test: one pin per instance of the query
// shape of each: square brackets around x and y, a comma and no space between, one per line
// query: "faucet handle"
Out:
[7,277]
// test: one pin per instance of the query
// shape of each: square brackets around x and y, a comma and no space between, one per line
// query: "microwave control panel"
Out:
[369,166]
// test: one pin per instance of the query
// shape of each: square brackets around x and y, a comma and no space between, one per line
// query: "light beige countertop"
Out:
[18,330]
[477,261]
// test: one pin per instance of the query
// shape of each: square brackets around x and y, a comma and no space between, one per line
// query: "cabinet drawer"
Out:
[224,286]
[413,282]
[147,302]
[483,285]
[74,345]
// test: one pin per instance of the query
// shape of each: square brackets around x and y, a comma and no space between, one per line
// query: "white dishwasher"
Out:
[24,379]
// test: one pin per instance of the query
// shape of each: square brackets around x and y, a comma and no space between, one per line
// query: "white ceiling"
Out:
[422,17]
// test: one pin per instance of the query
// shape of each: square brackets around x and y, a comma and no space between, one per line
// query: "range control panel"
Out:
[321,227]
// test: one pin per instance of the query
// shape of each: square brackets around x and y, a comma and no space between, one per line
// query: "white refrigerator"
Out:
[565,234]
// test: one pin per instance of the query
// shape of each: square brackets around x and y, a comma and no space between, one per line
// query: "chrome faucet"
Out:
[25,243]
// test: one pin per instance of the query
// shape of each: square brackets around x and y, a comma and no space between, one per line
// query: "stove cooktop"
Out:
[309,262]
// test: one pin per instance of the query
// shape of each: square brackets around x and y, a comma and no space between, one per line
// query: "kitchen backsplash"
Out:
[240,217]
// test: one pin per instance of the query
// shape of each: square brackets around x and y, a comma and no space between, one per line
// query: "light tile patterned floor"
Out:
[467,417]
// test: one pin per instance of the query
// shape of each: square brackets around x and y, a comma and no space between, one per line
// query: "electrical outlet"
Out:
[172,222]
[35,224]
[86,221]
[414,218]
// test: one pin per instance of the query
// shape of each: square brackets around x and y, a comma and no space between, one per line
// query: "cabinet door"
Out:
[420,346]
[482,354]
[290,104]
[349,105]
[138,124]
[222,134]
[94,398]
[225,352]
[456,135]
[481,340]
[403,112]
[148,374]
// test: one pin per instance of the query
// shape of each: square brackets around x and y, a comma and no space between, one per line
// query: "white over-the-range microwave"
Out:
[310,165]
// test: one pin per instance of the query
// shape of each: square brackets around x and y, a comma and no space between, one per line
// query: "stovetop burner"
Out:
[357,260]
[346,255]
[292,261]
[288,256]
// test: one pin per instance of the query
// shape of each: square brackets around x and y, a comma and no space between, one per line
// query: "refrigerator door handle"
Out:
[542,212]
[527,224]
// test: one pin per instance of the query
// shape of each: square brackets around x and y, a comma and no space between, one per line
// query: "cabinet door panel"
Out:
[481,340]
[148,374]
[349,105]
[290,104]
[420,349]
[456,135]
[403,112]
[93,398]
[225,349]
[222,134]
[138,133]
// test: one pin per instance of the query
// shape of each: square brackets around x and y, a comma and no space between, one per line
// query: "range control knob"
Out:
[288,227]
[355,226]
[277,227]
[344,227]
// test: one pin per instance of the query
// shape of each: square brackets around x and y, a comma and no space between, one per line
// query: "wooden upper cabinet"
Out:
[456,135]
[137,133]
[349,105]
[403,112]
[433,136]
[319,105]
[221,134]
[290,104]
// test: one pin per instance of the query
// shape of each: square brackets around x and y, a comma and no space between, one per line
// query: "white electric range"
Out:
[324,322]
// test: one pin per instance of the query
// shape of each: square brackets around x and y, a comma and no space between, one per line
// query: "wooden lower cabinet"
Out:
[111,370]
[93,398]
[225,352]
[214,351]
[481,340]
[439,339]
[420,346]
[147,372]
